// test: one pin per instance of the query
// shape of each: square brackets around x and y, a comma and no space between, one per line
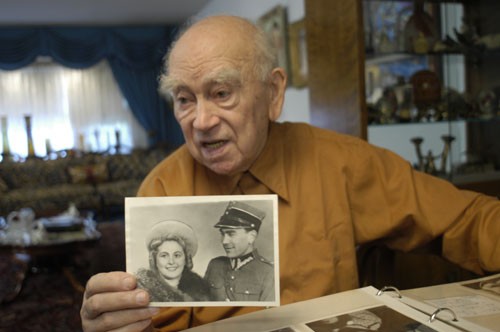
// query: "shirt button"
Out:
[231,289]
[232,277]
[247,292]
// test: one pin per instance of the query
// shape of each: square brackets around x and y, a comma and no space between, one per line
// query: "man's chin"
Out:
[221,169]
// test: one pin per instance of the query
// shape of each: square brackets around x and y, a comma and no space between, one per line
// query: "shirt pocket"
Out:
[217,290]
[247,291]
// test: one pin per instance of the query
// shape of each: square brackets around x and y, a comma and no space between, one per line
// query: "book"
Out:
[466,306]
[476,303]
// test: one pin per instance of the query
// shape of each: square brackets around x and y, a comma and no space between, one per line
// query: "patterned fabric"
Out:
[96,173]
[125,167]
[91,182]
[54,198]
[3,186]
[113,193]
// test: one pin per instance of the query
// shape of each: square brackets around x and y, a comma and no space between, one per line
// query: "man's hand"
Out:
[113,303]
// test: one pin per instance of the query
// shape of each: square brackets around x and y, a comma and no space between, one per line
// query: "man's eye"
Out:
[222,94]
[182,100]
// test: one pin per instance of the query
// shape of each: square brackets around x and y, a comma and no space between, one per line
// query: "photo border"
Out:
[143,212]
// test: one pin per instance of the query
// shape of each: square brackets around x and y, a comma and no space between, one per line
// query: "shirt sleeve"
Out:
[406,208]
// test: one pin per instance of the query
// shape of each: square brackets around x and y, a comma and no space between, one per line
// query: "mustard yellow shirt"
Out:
[336,192]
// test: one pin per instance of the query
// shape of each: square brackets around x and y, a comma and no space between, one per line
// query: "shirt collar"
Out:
[269,168]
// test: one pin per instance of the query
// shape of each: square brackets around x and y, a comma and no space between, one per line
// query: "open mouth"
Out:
[214,145]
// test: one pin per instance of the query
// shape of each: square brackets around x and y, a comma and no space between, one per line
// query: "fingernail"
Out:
[141,298]
[154,310]
[128,283]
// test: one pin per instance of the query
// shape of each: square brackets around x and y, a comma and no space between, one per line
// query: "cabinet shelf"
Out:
[373,57]
[424,123]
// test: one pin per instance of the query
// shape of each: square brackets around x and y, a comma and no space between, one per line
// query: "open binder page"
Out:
[476,303]
[356,310]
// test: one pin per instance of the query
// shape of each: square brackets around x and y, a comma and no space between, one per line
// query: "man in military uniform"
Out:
[241,275]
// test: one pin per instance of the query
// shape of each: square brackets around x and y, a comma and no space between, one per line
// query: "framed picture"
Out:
[275,24]
[204,250]
[298,53]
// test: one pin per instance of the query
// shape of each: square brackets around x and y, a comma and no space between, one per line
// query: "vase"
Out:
[31,148]
[420,31]
[5,138]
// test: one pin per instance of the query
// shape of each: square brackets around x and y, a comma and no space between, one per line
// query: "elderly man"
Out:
[335,191]
[243,275]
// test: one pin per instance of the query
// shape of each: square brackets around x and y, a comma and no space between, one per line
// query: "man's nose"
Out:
[225,239]
[206,118]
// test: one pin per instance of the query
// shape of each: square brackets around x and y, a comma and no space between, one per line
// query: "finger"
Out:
[113,301]
[110,282]
[125,320]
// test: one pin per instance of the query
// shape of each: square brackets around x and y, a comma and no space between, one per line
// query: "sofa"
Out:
[92,182]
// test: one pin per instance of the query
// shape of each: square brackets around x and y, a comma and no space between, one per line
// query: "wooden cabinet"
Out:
[335,45]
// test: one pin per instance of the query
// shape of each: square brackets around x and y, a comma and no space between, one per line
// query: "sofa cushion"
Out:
[124,167]
[92,173]
[35,173]
[50,199]
[114,193]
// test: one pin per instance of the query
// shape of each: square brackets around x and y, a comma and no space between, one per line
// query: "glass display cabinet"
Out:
[432,86]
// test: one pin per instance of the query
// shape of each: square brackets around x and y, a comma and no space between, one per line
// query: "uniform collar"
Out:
[239,262]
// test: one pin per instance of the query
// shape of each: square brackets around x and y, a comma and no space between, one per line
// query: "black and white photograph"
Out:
[204,250]
[490,285]
[381,318]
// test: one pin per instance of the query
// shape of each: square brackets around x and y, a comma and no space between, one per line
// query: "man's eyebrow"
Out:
[169,83]
[223,76]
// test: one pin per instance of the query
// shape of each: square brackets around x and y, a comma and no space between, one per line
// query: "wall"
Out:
[296,107]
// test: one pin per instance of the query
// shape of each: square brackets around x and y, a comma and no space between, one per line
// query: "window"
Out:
[69,109]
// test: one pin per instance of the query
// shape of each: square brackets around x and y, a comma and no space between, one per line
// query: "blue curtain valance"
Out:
[81,47]
[135,55]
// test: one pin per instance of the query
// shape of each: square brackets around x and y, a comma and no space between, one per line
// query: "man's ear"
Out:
[278,87]
[252,236]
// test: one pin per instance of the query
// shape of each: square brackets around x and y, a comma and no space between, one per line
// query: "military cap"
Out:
[168,229]
[241,215]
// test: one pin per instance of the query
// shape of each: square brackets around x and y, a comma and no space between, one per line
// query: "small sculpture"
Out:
[427,164]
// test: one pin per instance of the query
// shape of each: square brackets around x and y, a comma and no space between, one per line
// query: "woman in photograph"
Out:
[172,245]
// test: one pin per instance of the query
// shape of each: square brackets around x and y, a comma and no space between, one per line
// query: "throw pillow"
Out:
[94,173]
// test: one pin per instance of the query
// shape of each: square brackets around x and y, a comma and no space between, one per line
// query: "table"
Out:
[42,246]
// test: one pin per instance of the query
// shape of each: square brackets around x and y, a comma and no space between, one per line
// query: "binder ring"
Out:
[438,310]
[389,288]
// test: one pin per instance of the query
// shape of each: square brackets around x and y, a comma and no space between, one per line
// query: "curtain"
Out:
[69,108]
[135,55]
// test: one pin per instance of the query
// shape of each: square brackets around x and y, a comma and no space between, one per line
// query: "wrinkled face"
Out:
[170,260]
[237,241]
[222,108]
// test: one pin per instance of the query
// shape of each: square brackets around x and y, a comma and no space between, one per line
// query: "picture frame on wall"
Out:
[275,25]
[298,54]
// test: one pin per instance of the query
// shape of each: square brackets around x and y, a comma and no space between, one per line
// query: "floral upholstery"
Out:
[92,182]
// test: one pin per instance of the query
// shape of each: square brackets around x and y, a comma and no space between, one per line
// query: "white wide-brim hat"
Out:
[168,228]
